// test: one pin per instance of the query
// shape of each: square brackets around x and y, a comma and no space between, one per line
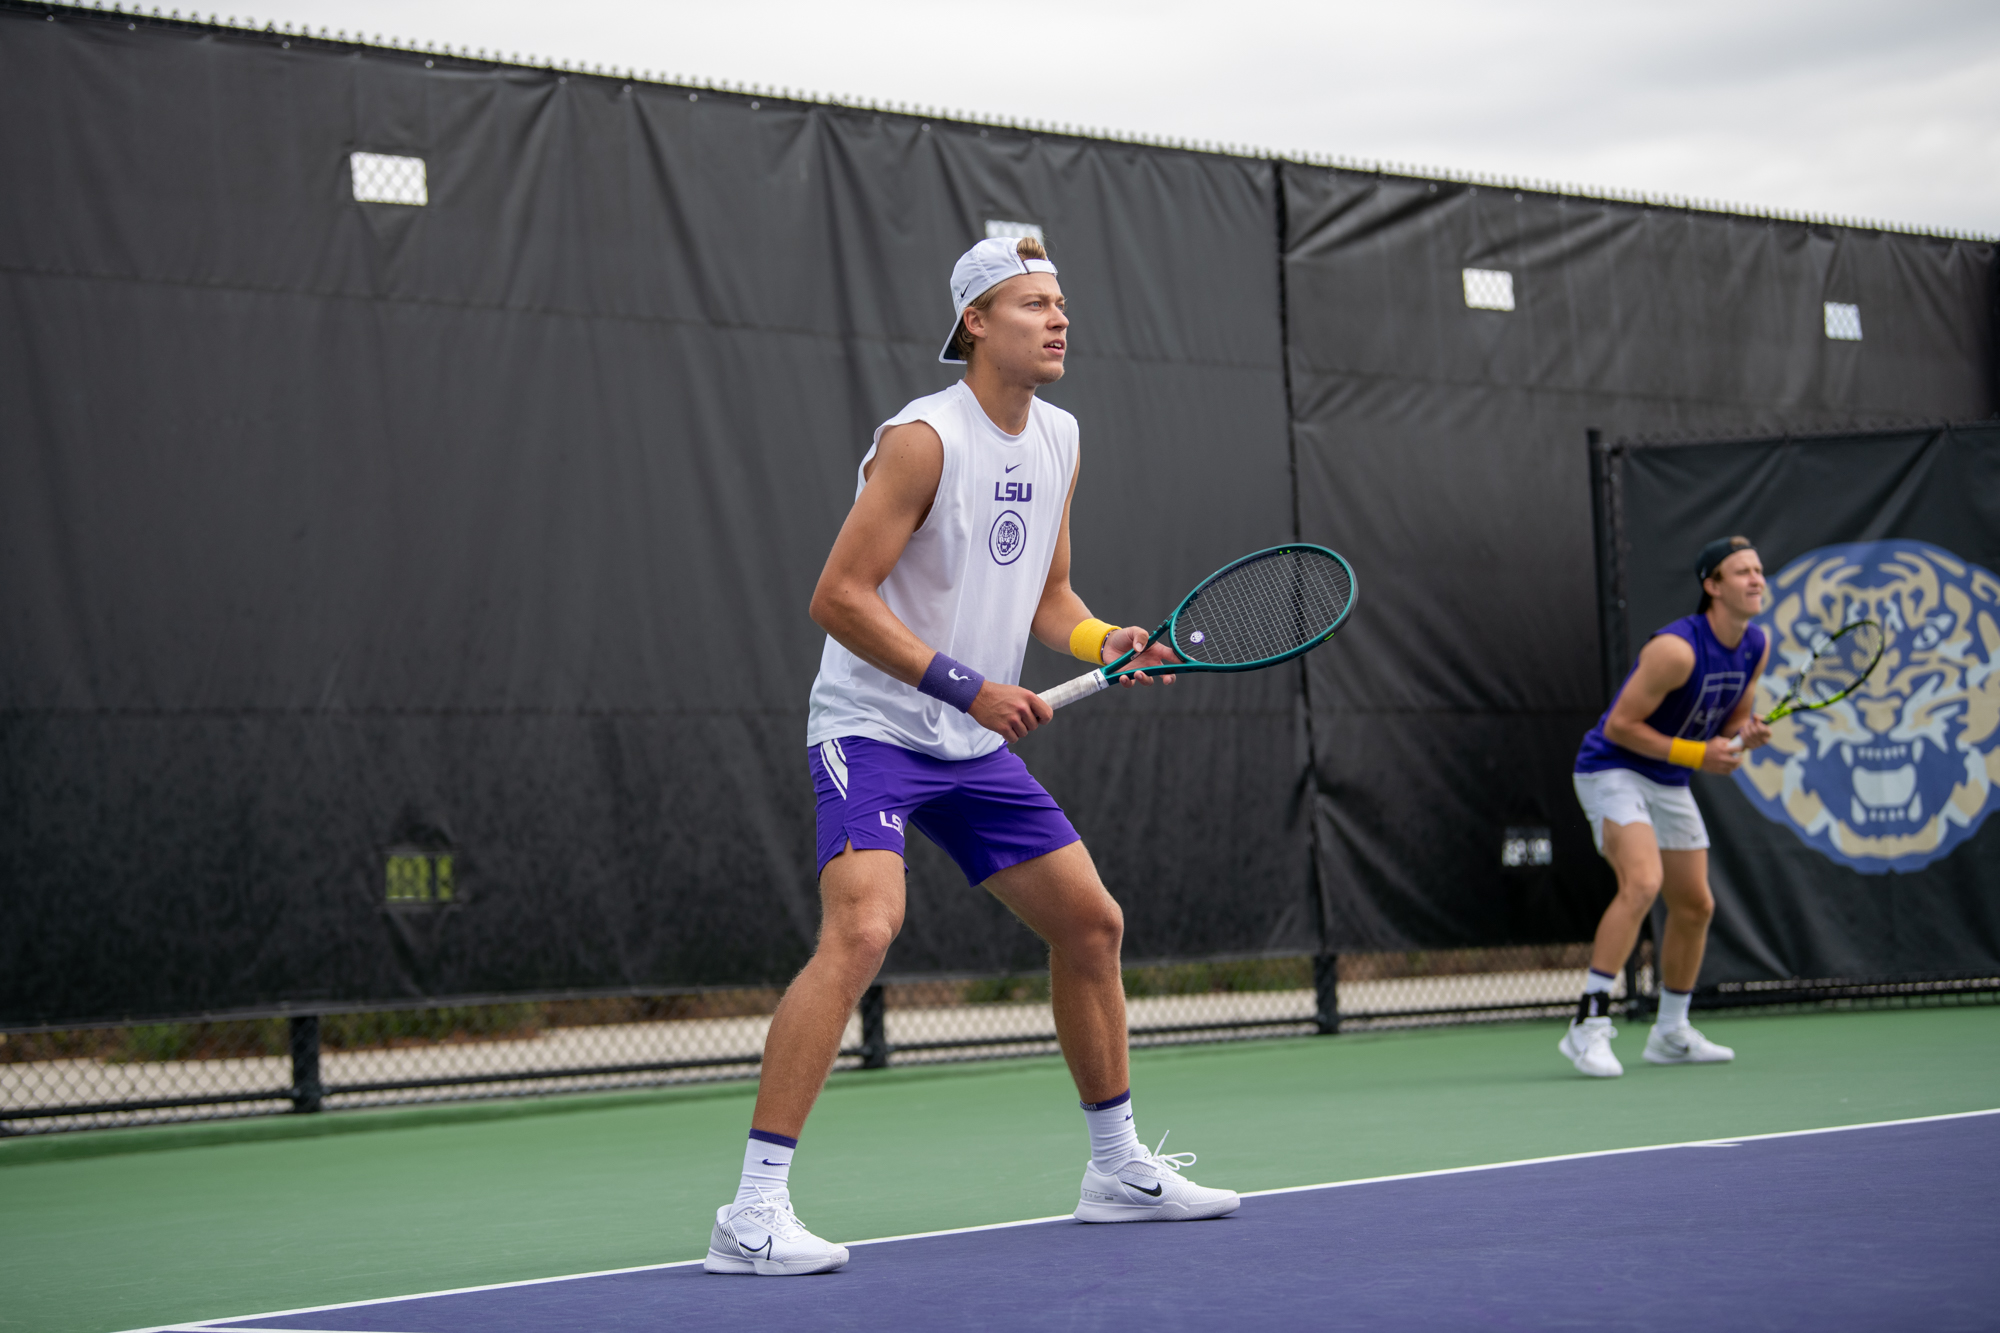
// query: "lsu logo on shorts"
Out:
[1906,768]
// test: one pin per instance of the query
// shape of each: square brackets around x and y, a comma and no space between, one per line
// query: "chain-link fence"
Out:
[75,1078]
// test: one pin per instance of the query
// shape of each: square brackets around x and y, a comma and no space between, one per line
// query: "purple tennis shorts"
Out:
[987,813]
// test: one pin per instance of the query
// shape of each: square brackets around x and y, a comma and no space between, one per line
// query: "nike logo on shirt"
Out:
[1015,465]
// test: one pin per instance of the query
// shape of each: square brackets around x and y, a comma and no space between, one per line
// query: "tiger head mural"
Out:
[1904,769]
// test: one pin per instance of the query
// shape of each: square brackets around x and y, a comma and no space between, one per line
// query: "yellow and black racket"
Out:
[1841,661]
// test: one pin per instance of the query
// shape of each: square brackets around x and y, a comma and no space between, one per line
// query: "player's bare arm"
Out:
[847,603]
[1665,664]
[1062,611]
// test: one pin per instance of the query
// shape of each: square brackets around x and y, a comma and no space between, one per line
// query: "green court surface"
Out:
[128,1228]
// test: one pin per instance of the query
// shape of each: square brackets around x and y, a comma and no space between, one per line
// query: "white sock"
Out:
[1114,1140]
[1673,1009]
[767,1164]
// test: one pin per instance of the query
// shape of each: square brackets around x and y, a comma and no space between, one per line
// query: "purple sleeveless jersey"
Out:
[1693,712]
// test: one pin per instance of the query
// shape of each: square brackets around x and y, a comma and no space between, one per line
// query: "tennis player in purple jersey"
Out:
[1677,712]
[957,548]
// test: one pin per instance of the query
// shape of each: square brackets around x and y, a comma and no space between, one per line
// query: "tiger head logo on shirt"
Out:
[1904,769]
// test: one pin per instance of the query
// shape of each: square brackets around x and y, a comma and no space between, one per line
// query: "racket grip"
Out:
[1089,683]
[1736,741]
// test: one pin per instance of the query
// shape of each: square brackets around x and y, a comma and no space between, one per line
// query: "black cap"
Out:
[1716,552]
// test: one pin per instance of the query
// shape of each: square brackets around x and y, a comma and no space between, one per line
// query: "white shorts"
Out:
[1625,797]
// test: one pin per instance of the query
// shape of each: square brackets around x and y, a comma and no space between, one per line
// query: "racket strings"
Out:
[1263,608]
[1841,664]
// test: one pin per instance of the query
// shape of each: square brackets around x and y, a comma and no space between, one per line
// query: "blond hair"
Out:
[961,341]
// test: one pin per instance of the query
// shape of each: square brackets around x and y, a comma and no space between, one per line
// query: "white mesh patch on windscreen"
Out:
[382,179]
[1489,289]
[1003,227]
[1843,321]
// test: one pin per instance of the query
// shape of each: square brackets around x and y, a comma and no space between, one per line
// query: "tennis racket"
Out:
[1838,666]
[1265,608]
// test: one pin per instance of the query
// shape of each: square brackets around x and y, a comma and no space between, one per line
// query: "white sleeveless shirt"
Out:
[969,581]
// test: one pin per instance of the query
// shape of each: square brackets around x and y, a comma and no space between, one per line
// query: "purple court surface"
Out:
[1893,1227]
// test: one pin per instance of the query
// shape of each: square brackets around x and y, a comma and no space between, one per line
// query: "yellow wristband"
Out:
[1688,754]
[1087,641]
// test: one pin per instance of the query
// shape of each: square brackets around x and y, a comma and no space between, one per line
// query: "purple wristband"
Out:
[954,682]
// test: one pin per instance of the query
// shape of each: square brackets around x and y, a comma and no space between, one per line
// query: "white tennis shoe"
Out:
[1588,1046]
[766,1237]
[1151,1188]
[1685,1046]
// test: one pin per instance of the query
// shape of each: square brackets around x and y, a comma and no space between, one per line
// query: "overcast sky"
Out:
[1855,108]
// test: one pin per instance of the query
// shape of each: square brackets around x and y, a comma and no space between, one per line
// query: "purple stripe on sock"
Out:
[1606,975]
[1669,990]
[778,1139]
[1119,1100]
[954,682]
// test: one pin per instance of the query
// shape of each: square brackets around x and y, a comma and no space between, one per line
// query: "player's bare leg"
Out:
[1634,855]
[861,909]
[1060,897]
[1690,907]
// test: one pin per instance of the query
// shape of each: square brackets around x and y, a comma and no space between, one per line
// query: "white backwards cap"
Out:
[977,272]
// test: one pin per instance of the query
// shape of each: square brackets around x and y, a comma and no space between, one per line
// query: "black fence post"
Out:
[307,1090]
[874,1030]
[1326,992]
[1607,521]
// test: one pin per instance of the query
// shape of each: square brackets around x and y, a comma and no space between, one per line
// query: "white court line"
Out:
[963,1231]
[215,1325]
[212,1325]
[1729,1142]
